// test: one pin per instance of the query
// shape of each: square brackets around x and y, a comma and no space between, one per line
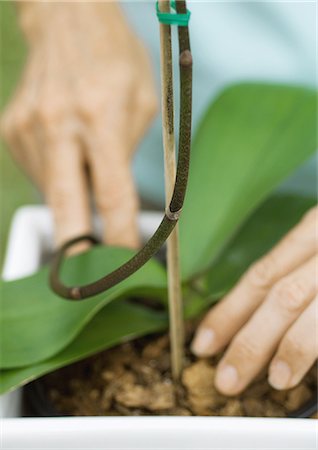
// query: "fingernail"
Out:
[279,375]
[202,345]
[226,378]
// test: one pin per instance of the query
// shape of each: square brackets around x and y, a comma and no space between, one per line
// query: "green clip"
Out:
[169,18]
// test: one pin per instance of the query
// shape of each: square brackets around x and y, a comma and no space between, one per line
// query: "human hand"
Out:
[269,316]
[85,99]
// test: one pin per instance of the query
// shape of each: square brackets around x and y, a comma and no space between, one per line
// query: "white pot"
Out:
[30,240]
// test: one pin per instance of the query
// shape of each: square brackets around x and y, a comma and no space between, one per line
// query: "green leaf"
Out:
[267,225]
[121,320]
[36,324]
[250,139]
[115,323]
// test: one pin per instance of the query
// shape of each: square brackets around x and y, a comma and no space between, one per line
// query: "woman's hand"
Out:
[85,99]
[269,316]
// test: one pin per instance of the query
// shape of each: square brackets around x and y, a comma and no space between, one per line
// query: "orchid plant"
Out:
[250,139]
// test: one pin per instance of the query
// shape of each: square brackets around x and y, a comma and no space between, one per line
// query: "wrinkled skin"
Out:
[270,316]
[85,99]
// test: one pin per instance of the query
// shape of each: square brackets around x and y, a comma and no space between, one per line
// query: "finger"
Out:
[10,136]
[33,161]
[23,146]
[18,127]
[297,351]
[254,345]
[115,194]
[66,189]
[27,127]
[226,318]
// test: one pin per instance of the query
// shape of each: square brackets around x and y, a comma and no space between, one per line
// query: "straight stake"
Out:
[173,258]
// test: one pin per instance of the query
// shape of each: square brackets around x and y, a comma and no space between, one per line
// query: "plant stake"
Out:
[173,257]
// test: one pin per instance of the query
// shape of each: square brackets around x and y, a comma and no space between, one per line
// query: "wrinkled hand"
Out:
[269,316]
[85,99]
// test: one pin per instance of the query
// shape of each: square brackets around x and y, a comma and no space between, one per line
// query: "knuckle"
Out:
[261,274]
[89,109]
[23,121]
[45,115]
[96,111]
[245,348]
[290,295]
[12,122]
[90,104]
[50,111]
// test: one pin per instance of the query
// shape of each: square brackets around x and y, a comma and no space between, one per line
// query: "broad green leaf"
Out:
[250,139]
[267,225]
[36,324]
[115,323]
[256,138]
[121,320]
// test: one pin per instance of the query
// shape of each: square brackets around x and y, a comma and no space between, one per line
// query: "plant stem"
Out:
[172,214]
[173,258]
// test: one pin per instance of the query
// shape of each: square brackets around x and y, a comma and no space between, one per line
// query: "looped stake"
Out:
[181,18]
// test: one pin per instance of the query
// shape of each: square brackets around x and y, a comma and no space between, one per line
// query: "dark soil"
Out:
[134,379]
